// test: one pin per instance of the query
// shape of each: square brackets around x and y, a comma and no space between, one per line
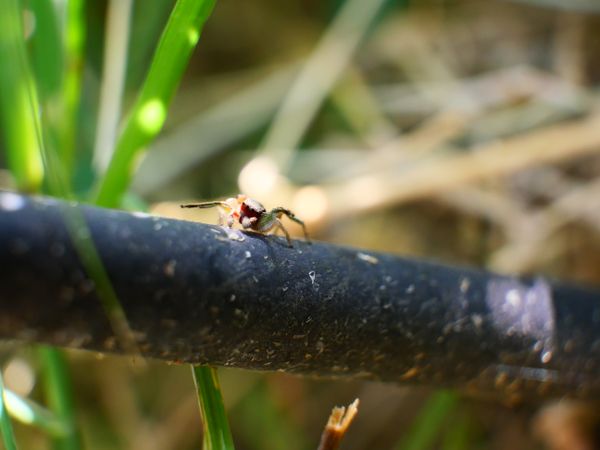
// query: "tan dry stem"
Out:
[446,172]
[337,425]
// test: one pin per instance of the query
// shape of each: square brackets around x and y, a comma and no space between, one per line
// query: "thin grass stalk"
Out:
[88,253]
[217,435]
[321,72]
[30,413]
[25,147]
[56,60]
[46,56]
[118,30]
[57,184]
[57,382]
[74,40]
[148,114]
[45,50]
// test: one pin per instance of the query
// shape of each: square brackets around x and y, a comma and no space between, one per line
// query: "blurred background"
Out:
[463,131]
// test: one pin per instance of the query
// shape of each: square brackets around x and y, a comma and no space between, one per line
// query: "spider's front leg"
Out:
[225,210]
[205,205]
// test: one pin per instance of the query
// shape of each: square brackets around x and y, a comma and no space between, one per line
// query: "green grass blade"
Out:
[58,392]
[149,111]
[18,102]
[426,429]
[46,58]
[74,40]
[57,62]
[46,49]
[214,420]
[146,27]
[88,253]
[27,160]
[8,438]
[57,184]
[30,413]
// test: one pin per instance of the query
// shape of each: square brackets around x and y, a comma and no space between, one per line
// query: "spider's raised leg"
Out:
[279,211]
[224,210]
[205,205]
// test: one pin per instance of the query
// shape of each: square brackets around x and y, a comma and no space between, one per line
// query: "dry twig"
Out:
[337,425]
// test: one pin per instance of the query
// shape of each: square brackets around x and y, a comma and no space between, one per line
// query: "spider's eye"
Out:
[251,207]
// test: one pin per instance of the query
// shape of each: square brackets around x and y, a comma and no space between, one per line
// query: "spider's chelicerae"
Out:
[251,215]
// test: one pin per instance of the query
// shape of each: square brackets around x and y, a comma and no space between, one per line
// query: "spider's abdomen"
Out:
[251,209]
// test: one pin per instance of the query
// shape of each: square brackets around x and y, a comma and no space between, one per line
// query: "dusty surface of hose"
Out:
[193,294]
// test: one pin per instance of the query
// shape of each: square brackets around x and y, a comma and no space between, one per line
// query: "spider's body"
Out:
[251,215]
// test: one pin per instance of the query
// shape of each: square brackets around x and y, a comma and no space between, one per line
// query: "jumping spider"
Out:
[251,215]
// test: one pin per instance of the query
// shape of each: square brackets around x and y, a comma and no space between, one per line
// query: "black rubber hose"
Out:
[194,293]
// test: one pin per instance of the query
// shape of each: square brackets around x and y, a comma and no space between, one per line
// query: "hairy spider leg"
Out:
[282,228]
[206,205]
[279,211]
[222,214]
